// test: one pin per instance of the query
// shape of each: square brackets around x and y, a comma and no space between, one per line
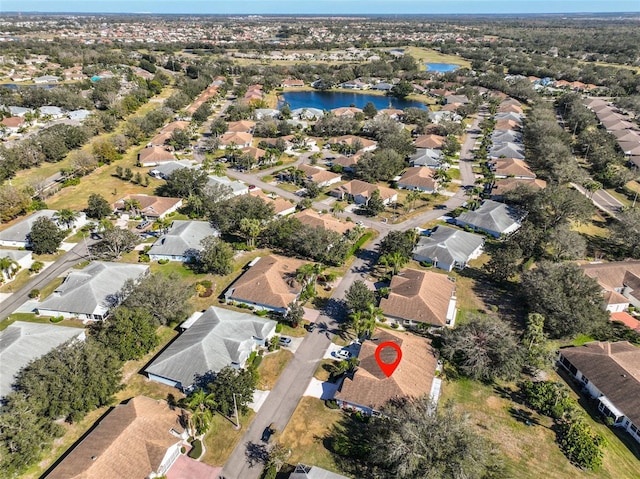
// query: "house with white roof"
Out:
[448,248]
[213,339]
[17,235]
[495,219]
[90,293]
[182,242]
[21,259]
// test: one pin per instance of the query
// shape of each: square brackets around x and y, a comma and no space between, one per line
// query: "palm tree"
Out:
[395,261]
[202,404]
[133,206]
[8,268]
[66,217]
[251,227]
[364,322]
[308,273]
[413,196]
[442,177]
[338,207]
[162,224]
[219,169]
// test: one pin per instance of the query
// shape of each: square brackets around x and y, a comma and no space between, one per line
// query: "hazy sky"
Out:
[320,6]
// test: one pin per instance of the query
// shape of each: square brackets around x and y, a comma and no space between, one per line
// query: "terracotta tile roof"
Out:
[351,140]
[175,125]
[625,318]
[512,167]
[503,185]
[131,441]
[510,108]
[270,281]
[346,111]
[255,153]
[13,121]
[611,275]
[413,377]
[421,296]
[507,125]
[419,177]
[311,217]
[429,141]
[280,205]
[613,368]
[155,154]
[152,206]
[239,138]
[161,138]
[358,187]
[318,175]
[243,126]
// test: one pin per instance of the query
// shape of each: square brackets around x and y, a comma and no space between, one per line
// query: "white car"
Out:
[343,354]
[284,341]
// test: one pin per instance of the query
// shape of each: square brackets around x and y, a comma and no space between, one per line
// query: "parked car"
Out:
[284,341]
[269,431]
[143,225]
[343,354]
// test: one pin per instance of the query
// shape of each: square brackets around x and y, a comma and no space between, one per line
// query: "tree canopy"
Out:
[45,236]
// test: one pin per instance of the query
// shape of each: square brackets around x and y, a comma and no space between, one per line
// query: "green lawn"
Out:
[271,367]
[530,452]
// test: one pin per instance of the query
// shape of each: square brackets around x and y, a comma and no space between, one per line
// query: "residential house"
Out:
[302,471]
[362,144]
[22,259]
[151,207]
[241,126]
[320,176]
[429,141]
[438,116]
[459,99]
[418,178]
[393,113]
[497,189]
[507,150]
[79,115]
[19,111]
[281,206]
[237,187]
[310,114]
[511,168]
[346,111]
[428,157]
[509,116]
[626,319]
[355,85]
[383,86]
[448,248]
[291,83]
[348,163]
[155,155]
[268,283]
[369,388]
[314,219]
[620,282]
[46,79]
[261,113]
[53,112]
[164,170]
[90,293]
[615,124]
[237,139]
[507,125]
[182,242]
[421,297]
[13,124]
[17,235]
[506,136]
[609,373]
[161,139]
[495,219]
[141,438]
[211,340]
[360,191]
[22,342]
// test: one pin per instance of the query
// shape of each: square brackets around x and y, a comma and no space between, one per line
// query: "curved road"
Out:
[244,462]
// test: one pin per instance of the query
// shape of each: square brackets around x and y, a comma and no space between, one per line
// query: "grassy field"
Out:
[306,431]
[530,452]
[222,438]
[271,367]
[425,55]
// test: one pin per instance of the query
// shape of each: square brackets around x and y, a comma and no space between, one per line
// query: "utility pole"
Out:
[235,407]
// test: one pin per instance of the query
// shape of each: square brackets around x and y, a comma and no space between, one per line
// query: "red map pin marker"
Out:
[388,368]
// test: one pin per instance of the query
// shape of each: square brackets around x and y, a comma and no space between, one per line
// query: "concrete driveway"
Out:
[294,345]
[322,389]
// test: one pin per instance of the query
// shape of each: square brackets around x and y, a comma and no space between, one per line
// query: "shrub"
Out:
[163,261]
[34,293]
[71,182]
[279,328]
[196,451]
[331,404]
[206,283]
[36,267]
[143,258]
[56,319]
[580,444]
[394,325]
[262,313]
[270,473]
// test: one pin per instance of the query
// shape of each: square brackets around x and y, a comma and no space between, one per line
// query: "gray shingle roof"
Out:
[216,339]
[165,169]
[23,342]
[508,150]
[492,216]
[19,231]
[183,237]
[303,471]
[509,116]
[426,157]
[14,254]
[88,291]
[448,245]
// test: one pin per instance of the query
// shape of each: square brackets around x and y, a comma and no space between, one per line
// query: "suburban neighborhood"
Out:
[323,247]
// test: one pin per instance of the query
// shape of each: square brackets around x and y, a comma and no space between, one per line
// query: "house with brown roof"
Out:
[610,373]
[368,389]
[241,126]
[418,178]
[505,124]
[360,191]
[626,319]
[346,111]
[620,282]
[320,176]
[511,168]
[291,83]
[256,154]
[429,141]
[268,283]
[421,297]
[238,139]
[153,207]
[13,124]
[314,219]
[155,155]
[353,141]
[498,188]
[141,438]
[281,206]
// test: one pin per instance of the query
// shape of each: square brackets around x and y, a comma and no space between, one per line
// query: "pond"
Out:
[328,100]
[442,67]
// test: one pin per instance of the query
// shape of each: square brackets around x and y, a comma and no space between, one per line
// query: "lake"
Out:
[442,67]
[328,100]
